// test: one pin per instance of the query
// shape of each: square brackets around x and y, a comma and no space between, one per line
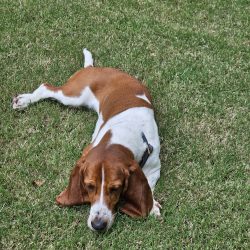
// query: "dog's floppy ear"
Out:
[137,196]
[74,194]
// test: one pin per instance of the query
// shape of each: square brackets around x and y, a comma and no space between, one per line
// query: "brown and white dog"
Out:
[108,174]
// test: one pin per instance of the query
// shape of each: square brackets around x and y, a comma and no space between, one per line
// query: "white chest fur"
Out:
[126,129]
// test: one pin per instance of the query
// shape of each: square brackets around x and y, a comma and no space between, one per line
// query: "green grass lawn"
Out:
[194,57]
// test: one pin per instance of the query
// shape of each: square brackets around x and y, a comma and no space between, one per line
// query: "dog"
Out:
[121,165]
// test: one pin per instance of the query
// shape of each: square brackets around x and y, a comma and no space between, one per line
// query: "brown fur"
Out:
[115,90]
[123,179]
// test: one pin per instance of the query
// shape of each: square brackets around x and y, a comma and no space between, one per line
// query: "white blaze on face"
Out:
[102,185]
[99,209]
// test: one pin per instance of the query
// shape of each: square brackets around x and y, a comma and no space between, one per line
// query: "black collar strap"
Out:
[147,152]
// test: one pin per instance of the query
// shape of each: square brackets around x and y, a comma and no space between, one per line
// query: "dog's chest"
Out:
[126,129]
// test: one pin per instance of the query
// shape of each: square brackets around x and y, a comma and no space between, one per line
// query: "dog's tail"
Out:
[88,59]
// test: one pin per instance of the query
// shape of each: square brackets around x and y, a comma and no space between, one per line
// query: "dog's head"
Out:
[106,180]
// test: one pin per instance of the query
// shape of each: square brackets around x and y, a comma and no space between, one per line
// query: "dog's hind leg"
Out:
[86,97]
[75,92]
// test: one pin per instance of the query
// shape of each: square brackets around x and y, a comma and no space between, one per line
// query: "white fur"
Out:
[102,186]
[143,97]
[97,126]
[22,101]
[99,208]
[88,59]
[156,209]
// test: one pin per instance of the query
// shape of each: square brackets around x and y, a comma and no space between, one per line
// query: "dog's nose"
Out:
[99,224]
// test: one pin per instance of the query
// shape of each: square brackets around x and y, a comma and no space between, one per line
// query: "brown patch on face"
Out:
[92,181]
[113,160]
[94,158]
[115,179]
[113,186]
[124,175]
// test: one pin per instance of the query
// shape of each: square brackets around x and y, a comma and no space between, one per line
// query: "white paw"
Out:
[156,209]
[21,101]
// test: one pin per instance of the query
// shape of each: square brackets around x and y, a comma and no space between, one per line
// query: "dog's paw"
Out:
[21,101]
[156,209]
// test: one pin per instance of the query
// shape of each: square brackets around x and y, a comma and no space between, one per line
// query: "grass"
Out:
[193,56]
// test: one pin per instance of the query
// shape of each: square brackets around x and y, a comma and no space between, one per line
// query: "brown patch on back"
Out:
[121,98]
[115,90]
[78,81]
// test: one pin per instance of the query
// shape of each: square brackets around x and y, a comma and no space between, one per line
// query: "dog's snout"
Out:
[98,224]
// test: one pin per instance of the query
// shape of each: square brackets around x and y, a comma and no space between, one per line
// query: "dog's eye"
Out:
[113,190]
[90,187]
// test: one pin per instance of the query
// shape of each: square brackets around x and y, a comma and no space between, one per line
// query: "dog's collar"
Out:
[147,152]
